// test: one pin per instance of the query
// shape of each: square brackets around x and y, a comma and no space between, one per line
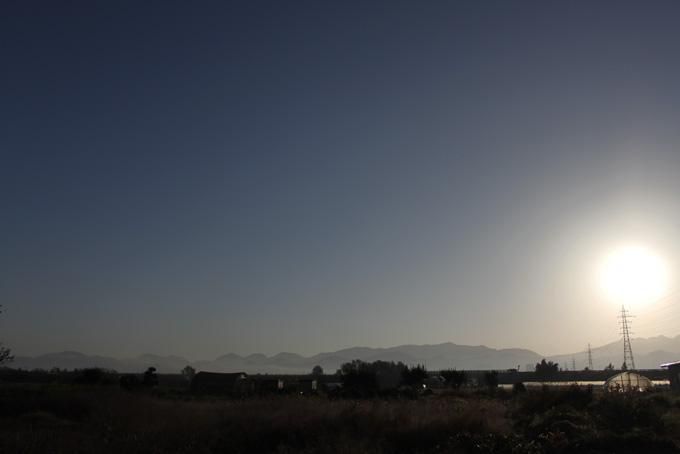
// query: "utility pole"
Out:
[590,358]
[624,322]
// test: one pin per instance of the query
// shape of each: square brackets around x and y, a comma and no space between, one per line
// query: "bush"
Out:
[491,380]
[519,388]
[454,378]
[623,412]
[90,376]
[129,382]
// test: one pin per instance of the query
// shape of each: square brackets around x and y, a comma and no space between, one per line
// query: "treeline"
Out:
[87,376]
[364,379]
[360,378]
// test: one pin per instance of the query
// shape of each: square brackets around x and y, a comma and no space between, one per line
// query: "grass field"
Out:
[70,418]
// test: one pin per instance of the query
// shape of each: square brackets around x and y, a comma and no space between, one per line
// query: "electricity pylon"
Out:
[624,322]
[590,358]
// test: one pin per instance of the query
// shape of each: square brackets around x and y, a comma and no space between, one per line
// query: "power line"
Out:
[653,306]
[654,320]
[667,321]
[661,310]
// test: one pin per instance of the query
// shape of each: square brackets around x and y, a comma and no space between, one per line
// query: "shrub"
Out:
[519,388]
[454,378]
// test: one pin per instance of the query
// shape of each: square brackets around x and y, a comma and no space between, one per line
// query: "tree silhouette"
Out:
[5,353]
[491,380]
[150,377]
[188,372]
[317,370]
[546,369]
[414,376]
[361,378]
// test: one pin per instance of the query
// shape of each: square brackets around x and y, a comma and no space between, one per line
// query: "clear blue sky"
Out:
[196,178]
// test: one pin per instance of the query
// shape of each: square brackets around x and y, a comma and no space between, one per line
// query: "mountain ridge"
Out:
[650,352]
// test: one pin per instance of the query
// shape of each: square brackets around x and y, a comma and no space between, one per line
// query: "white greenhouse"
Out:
[628,381]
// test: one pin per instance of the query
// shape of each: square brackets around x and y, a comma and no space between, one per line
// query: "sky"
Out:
[198,178]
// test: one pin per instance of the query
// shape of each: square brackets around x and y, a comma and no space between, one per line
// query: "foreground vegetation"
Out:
[60,418]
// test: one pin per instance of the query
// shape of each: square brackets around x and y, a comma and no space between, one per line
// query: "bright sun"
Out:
[634,276]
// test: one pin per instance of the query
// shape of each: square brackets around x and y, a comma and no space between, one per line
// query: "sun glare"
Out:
[634,276]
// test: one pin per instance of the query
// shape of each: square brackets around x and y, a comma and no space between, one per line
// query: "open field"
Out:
[70,418]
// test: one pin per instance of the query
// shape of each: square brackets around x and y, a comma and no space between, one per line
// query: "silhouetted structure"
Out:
[269,385]
[673,374]
[628,359]
[454,378]
[435,381]
[219,383]
[308,386]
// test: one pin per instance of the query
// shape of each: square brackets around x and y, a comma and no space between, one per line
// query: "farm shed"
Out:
[269,385]
[673,374]
[307,386]
[221,383]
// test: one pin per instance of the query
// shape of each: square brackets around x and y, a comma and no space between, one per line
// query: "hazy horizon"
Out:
[308,355]
[270,354]
[547,354]
[649,353]
[269,177]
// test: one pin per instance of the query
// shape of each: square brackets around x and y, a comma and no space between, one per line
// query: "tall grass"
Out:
[69,419]
[104,419]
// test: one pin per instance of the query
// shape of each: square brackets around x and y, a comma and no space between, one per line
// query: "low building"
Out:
[435,382]
[673,374]
[307,386]
[332,386]
[236,383]
[269,385]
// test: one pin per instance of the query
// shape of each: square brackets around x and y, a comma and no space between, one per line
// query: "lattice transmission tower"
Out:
[590,358]
[625,322]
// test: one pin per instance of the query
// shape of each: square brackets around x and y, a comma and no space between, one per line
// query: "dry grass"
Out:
[66,419]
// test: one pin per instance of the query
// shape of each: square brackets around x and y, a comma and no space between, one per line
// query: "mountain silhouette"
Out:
[649,353]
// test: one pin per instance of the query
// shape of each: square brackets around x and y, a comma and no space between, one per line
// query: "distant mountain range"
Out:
[649,353]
